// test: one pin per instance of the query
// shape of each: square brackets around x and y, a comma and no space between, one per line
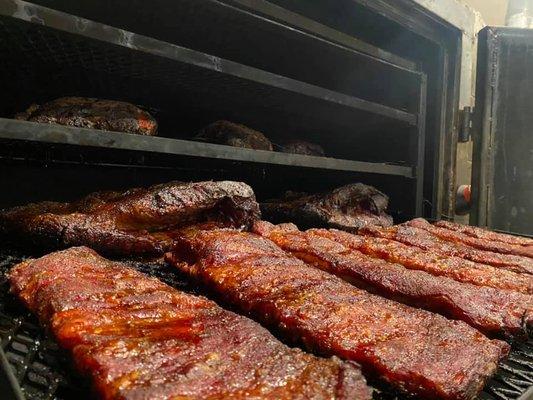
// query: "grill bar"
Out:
[42,372]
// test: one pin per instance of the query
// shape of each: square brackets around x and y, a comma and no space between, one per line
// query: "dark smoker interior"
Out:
[292,70]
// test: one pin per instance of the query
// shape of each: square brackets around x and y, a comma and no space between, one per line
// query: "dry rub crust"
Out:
[137,338]
[134,222]
[418,352]
[83,112]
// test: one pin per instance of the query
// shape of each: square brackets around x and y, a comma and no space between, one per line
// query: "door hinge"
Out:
[465,127]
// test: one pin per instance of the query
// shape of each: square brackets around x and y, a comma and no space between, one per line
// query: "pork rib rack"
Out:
[432,262]
[134,222]
[481,233]
[425,240]
[416,351]
[137,338]
[494,312]
[483,243]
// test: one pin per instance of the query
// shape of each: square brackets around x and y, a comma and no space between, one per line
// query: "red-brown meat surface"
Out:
[434,263]
[494,312]
[416,351]
[427,241]
[350,207]
[83,112]
[137,338]
[133,222]
[481,233]
[482,244]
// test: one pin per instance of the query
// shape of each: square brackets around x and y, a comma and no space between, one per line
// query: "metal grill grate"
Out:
[44,373]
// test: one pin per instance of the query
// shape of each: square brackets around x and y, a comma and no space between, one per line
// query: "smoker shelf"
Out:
[43,371]
[50,53]
[57,134]
[250,32]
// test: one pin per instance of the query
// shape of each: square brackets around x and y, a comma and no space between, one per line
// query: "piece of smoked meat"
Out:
[482,233]
[137,338]
[83,112]
[416,351]
[350,208]
[482,244]
[429,242]
[134,222]
[494,312]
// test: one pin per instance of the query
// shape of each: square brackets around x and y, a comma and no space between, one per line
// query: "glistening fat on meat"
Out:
[137,338]
[416,351]
[492,311]
[427,241]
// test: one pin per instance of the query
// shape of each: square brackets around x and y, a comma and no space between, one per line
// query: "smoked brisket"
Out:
[236,135]
[134,222]
[92,113]
[350,208]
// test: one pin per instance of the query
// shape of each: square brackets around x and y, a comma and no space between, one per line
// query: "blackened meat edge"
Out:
[137,338]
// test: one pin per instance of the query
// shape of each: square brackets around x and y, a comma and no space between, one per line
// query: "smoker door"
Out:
[503,131]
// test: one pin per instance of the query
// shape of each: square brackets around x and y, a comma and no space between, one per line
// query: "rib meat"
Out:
[134,222]
[482,244]
[350,208]
[434,263]
[416,351]
[92,113]
[427,241]
[494,312]
[137,338]
[481,233]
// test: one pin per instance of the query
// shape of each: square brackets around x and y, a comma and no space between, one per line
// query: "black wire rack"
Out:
[43,371]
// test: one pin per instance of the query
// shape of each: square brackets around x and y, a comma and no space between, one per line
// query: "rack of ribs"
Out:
[416,351]
[494,312]
[137,338]
[481,233]
[432,262]
[427,241]
[134,222]
[477,243]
